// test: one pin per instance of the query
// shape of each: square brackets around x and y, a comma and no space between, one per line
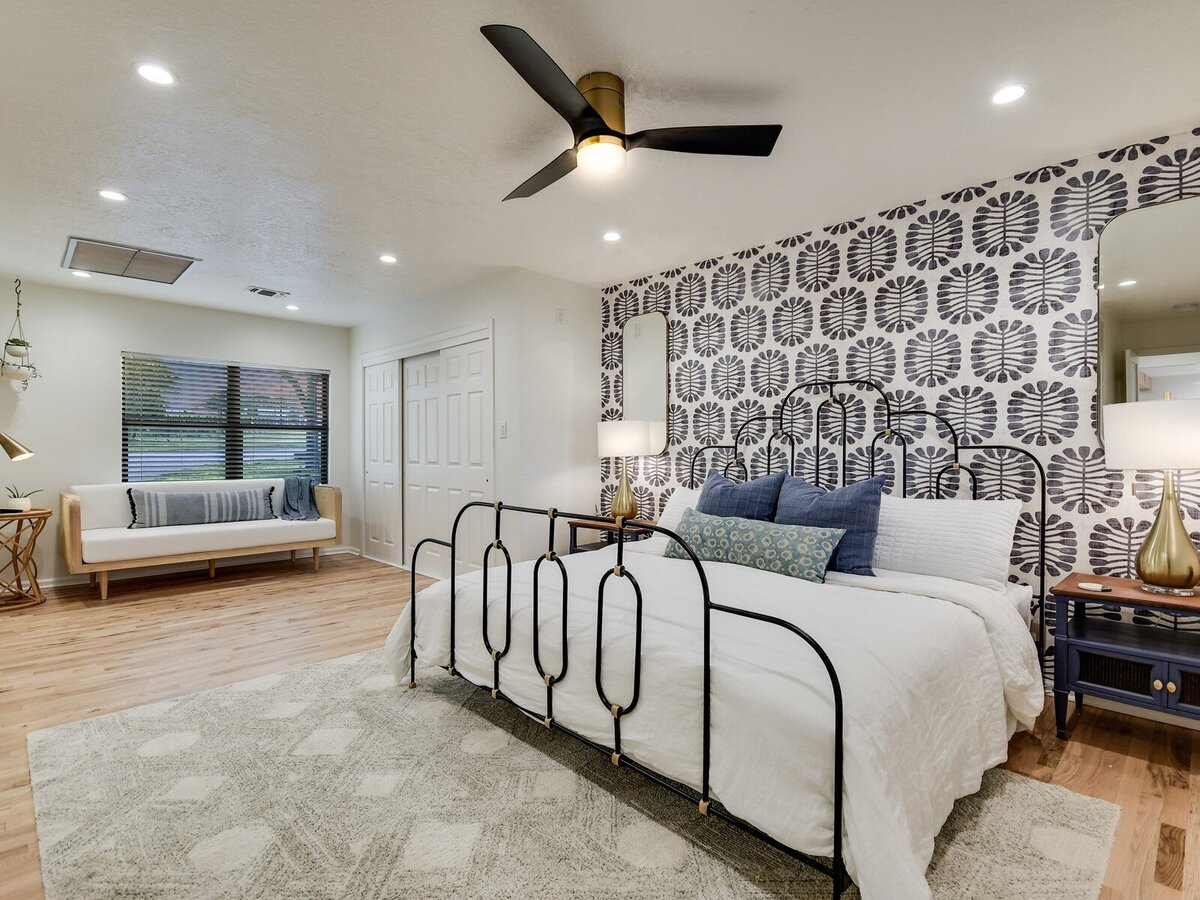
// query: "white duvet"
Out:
[935,675]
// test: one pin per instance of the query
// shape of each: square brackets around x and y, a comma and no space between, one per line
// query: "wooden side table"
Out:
[18,569]
[1143,665]
[632,532]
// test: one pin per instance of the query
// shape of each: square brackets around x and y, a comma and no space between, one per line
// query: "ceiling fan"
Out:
[594,107]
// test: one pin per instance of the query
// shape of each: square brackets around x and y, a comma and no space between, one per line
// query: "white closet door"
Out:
[468,470]
[424,457]
[382,480]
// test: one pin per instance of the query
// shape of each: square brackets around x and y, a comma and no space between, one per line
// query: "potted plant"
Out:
[17,348]
[18,500]
[18,371]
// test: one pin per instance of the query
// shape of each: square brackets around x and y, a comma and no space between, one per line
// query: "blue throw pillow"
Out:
[793,550]
[854,508]
[753,500]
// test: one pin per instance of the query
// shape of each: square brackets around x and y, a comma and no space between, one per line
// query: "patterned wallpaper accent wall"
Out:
[979,303]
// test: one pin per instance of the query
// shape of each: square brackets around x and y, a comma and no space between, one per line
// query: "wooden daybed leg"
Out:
[293,556]
[104,585]
[212,568]
[316,559]
[92,580]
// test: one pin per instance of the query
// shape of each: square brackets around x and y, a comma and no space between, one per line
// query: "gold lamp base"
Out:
[623,501]
[1168,562]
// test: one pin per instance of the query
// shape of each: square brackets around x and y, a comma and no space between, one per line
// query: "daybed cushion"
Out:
[107,505]
[163,509]
[115,544]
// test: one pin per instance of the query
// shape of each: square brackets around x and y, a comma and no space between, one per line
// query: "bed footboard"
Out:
[835,869]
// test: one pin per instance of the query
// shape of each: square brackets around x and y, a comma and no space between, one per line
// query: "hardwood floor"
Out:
[154,638]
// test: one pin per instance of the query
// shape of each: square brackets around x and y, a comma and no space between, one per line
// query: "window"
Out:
[192,419]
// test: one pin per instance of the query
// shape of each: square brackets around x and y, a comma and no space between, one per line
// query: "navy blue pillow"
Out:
[854,508]
[753,500]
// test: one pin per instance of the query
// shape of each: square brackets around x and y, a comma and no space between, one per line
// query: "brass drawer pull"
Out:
[1171,688]
[1158,685]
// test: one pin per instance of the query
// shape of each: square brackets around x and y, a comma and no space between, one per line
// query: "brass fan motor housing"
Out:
[606,93]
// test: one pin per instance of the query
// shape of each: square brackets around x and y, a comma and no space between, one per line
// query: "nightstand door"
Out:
[1121,676]
[1186,696]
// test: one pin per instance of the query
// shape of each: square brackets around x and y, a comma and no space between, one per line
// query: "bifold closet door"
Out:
[382,519]
[447,452]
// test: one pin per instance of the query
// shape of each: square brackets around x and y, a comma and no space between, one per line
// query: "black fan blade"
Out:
[563,164]
[544,76]
[731,140]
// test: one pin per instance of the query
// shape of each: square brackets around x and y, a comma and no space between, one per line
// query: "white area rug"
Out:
[330,781]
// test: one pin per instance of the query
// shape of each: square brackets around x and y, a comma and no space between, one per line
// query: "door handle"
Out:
[1158,685]
[1171,688]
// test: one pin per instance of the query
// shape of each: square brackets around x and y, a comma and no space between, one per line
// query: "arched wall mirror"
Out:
[644,374]
[1150,304]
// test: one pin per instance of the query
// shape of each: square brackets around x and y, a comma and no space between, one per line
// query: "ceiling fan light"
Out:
[601,155]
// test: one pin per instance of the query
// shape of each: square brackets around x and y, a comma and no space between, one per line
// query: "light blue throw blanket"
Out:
[299,501]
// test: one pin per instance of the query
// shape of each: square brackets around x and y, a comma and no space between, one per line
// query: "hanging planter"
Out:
[18,371]
[17,347]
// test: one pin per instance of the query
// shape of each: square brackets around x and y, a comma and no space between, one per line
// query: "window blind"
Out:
[195,419]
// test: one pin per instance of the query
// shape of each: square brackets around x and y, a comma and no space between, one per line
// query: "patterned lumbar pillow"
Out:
[798,551]
[755,499]
[154,509]
[854,507]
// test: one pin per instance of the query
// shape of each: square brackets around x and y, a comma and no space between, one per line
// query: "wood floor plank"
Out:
[77,656]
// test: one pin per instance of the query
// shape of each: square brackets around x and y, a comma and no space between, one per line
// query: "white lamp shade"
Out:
[623,437]
[1152,434]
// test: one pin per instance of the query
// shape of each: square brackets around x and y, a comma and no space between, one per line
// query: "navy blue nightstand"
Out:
[1143,665]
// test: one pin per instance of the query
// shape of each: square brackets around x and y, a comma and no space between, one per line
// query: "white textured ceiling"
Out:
[306,138]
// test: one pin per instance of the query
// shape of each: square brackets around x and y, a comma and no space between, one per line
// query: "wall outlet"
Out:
[560,317]
[503,431]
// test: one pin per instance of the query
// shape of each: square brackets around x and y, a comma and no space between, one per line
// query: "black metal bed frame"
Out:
[836,868]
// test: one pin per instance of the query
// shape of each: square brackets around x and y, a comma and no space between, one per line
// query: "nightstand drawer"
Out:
[1121,676]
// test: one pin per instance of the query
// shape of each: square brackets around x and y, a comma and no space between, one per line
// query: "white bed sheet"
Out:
[935,675]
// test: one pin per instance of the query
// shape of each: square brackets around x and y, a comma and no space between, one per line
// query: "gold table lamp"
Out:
[623,438]
[1159,434]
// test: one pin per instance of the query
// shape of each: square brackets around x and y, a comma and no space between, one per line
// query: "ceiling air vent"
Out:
[268,292]
[126,262]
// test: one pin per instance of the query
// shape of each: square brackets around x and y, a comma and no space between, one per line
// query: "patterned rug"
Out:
[329,781]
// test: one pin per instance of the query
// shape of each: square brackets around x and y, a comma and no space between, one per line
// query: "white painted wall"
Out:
[71,417]
[545,386]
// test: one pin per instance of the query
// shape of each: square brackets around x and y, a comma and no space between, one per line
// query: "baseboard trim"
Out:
[126,574]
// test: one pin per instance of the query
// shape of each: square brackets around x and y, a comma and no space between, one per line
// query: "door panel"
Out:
[448,460]
[382,472]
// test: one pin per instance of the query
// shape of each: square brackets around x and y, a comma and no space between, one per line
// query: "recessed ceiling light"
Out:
[1128,283]
[292,306]
[1101,287]
[112,195]
[612,235]
[157,74]
[1009,93]
[387,258]
[79,274]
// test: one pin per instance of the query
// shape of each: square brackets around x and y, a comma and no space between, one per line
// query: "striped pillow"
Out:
[155,509]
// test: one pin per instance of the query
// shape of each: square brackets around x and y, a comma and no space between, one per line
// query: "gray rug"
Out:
[328,781]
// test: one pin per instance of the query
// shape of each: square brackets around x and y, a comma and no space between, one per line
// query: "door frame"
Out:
[440,340]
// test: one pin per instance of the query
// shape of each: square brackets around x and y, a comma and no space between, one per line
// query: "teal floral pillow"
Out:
[799,551]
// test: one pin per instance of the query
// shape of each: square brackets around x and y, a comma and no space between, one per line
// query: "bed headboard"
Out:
[836,414]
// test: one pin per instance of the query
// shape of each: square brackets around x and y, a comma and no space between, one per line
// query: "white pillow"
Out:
[967,540]
[680,501]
